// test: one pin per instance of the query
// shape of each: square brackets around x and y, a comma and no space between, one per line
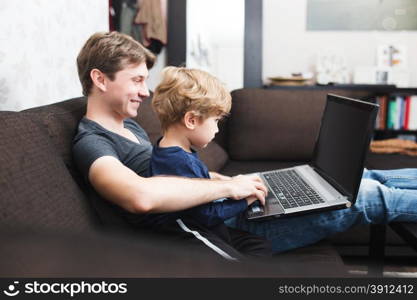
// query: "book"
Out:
[383,102]
[413,113]
[378,116]
[402,122]
[407,113]
[377,119]
[392,113]
[399,112]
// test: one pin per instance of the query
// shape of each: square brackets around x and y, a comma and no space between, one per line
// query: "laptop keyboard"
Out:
[291,190]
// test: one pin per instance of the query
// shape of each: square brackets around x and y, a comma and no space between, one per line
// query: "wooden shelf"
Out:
[396,131]
[392,134]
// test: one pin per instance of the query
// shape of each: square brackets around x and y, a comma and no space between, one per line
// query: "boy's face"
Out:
[204,131]
[128,90]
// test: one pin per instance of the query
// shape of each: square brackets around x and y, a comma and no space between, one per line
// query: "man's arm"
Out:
[215,175]
[120,185]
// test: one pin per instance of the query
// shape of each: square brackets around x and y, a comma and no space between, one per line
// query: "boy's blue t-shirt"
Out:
[176,161]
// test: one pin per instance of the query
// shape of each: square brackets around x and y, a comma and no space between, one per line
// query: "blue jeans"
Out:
[384,196]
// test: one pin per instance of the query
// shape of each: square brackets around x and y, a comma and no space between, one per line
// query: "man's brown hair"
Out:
[109,52]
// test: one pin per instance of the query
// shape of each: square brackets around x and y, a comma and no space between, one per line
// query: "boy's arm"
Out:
[216,212]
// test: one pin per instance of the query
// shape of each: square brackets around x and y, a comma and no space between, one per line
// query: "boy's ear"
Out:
[99,79]
[190,119]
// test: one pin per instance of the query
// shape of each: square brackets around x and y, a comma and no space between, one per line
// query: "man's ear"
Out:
[99,79]
[191,119]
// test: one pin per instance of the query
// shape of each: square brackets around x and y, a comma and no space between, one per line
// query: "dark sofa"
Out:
[50,227]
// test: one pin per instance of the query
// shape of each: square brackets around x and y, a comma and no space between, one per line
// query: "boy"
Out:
[189,103]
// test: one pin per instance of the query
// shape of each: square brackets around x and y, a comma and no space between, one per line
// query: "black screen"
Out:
[344,140]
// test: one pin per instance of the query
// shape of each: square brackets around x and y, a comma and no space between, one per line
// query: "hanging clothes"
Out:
[152,20]
[127,17]
[115,11]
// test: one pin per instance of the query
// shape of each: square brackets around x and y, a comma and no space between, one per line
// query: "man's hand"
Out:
[248,186]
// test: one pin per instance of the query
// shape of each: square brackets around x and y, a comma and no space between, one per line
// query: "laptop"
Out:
[332,179]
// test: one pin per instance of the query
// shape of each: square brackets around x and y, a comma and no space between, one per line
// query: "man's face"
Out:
[128,90]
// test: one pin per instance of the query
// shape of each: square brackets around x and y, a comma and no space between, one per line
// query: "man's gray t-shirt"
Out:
[94,141]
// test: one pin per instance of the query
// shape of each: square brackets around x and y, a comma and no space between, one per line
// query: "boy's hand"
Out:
[245,186]
[252,199]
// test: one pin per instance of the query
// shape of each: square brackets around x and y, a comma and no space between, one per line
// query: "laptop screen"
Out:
[343,141]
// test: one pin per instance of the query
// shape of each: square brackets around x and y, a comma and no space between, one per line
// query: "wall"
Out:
[155,73]
[40,40]
[288,47]
[215,32]
[161,59]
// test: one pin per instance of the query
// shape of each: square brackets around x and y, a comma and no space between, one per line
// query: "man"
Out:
[113,152]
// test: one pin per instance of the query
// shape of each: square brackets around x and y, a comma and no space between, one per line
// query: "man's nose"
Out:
[144,91]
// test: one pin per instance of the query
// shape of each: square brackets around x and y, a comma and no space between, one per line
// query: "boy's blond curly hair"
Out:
[182,90]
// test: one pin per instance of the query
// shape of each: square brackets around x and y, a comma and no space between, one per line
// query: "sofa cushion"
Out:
[213,156]
[37,190]
[139,256]
[277,124]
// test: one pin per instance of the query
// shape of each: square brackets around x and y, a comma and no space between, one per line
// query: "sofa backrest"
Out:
[60,121]
[277,124]
[36,190]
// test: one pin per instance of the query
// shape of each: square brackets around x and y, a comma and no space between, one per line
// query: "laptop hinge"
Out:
[333,182]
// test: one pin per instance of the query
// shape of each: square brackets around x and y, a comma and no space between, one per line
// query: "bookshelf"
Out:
[397,117]
[398,123]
